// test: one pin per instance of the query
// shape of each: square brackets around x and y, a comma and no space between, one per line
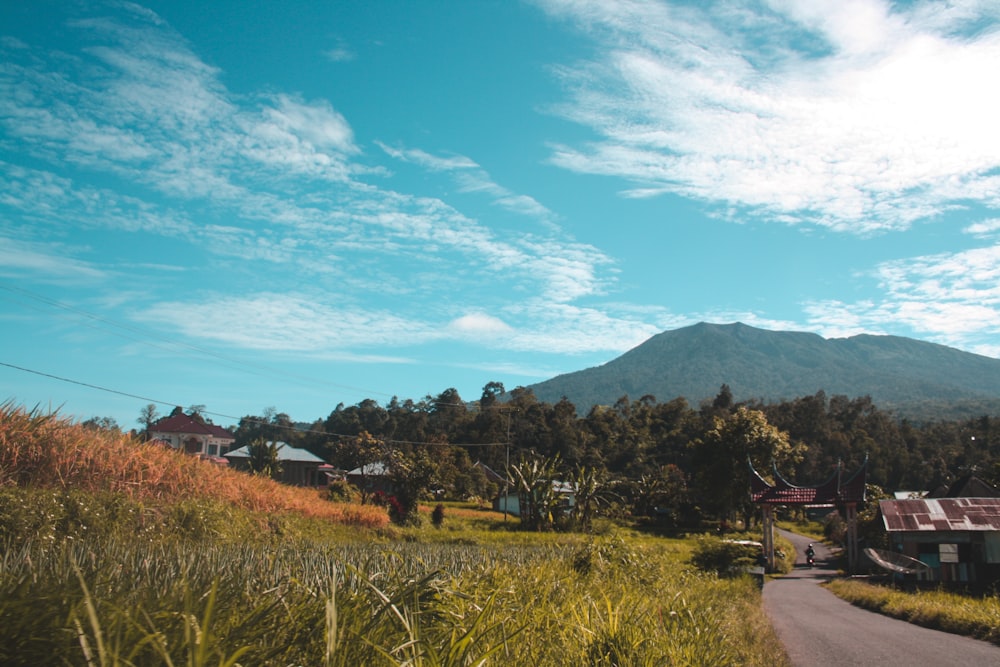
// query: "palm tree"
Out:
[264,458]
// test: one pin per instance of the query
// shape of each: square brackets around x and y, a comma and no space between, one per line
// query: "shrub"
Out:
[341,491]
[437,516]
[602,554]
[712,554]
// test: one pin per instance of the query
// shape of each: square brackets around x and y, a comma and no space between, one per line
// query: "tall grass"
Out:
[47,451]
[416,604]
[972,616]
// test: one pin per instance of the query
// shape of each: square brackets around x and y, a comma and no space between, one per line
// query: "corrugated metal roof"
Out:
[941,514]
[285,453]
[378,469]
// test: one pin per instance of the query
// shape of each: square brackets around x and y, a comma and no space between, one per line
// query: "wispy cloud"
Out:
[289,322]
[163,149]
[860,116]
[472,178]
[984,228]
[43,263]
[341,53]
[952,298]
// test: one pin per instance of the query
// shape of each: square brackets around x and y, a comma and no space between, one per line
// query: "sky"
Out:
[245,205]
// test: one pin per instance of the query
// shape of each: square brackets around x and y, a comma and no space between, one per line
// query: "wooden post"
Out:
[851,512]
[768,539]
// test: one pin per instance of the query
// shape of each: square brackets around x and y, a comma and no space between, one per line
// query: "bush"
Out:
[598,555]
[437,516]
[341,491]
[712,554]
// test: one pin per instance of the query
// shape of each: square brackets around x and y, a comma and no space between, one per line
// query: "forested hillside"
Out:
[916,379]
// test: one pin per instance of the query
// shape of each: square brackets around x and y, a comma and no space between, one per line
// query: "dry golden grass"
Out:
[46,450]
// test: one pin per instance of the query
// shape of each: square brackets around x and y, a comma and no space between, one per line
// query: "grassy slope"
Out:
[47,452]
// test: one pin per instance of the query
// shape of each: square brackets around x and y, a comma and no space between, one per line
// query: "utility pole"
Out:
[506,481]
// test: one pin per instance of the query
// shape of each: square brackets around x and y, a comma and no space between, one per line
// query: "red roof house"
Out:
[192,435]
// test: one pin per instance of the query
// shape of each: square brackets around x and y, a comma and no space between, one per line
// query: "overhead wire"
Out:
[246,419]
[94,321]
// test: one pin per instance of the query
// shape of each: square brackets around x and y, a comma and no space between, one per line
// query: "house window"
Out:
[213,450]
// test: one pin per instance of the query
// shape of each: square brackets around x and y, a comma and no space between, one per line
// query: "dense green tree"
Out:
[411,476]
[367,416]
[724,399]
[743,436]
[410,421]
[491,395]
[271,425]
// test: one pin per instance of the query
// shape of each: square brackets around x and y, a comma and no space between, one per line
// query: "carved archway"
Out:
[836,492]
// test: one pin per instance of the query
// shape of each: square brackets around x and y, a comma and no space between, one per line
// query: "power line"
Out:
[242,419]
[173,345]
[86,384]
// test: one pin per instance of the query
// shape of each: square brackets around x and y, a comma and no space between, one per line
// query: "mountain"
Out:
[903,374]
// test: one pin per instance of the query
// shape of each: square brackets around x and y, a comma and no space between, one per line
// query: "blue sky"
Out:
[251,204]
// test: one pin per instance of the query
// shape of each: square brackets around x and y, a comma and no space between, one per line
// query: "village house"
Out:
[956,536]
[191,435]
[371,478]
[510,502]
[299,467]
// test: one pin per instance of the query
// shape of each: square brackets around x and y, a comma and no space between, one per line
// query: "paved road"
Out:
[819,629]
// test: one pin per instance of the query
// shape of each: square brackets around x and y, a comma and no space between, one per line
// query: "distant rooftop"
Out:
[285,453]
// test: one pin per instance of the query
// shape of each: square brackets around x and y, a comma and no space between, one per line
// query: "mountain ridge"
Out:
[757,364]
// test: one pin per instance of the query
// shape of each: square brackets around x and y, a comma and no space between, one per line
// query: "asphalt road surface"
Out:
[819,629]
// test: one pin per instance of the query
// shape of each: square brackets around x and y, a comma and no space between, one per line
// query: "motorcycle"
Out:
[810,561]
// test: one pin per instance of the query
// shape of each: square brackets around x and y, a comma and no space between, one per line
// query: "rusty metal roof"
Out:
[941,514]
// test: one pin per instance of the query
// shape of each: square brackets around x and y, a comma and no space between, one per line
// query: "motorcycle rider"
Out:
[810,554]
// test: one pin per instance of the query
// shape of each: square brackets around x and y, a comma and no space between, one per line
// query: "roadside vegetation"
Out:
[972,616]
[116,552]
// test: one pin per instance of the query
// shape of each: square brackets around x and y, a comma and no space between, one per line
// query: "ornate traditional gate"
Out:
[835,492]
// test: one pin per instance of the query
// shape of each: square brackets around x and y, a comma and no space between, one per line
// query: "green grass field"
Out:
[118,553]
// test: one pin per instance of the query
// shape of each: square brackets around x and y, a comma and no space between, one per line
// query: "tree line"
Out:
[665,459]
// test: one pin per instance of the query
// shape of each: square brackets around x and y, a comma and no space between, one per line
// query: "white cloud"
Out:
[340,53]
[860,116]
[318,123]
[476,325]
[272,179]
[984,227]
[289,323]
[951,298]
[19,259]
